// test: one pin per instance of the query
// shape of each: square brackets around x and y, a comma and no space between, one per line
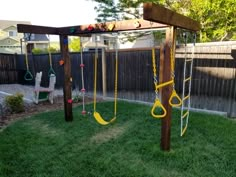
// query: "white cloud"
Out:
[49,12]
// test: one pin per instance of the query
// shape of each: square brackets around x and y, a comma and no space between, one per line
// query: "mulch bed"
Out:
[32,109]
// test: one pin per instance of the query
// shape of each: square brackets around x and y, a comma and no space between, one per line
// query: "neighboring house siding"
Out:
[123,43]
[3,33]
[41,45]
[141,42]
[12,32]
[10,28]
[9,42]
[10,39]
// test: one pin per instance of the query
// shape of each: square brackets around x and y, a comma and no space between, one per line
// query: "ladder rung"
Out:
[190,59]
[184,130]
[185,98]
[187,79]
[185,114]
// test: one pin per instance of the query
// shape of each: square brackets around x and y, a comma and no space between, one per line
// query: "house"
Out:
[39,41]
[125,41]
[13,42]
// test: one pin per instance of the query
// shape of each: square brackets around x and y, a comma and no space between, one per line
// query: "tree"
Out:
[217,17]
[74,44]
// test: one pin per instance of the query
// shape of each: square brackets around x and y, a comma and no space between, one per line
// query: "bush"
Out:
[15,102]
[77,99]
[37,51]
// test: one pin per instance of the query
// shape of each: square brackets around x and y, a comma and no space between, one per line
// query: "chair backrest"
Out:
[38,80]
[52,81]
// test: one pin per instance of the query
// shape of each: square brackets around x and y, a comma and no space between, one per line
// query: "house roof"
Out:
[7,23]
[37,37]
[90,44]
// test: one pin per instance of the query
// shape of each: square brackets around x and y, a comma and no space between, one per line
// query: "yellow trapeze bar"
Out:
[164,84]
[100,120]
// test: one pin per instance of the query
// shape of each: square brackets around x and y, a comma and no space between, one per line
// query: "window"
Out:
[32,37]
[12,33]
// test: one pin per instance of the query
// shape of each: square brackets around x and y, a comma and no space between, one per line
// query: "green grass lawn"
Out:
[47,146]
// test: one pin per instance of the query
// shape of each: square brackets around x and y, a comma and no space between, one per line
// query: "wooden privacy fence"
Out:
[8,69]
[214,77]
[213,83]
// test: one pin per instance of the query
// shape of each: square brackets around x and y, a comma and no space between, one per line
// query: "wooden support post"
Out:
[67,78]
[104,73]
[166,92]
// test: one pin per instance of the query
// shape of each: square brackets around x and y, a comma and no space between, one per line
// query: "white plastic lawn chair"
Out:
[42,93]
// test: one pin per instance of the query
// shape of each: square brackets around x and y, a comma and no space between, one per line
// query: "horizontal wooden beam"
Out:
[111,27]
[85,30]
[160,14]
[22,28]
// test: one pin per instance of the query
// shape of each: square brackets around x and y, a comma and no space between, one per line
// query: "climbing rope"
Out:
[82,76]
[28,75]
[96,115]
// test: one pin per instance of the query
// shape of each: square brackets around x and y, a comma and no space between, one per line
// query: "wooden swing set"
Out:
[154,16]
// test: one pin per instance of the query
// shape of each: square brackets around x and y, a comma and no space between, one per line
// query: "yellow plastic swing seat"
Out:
[100,120]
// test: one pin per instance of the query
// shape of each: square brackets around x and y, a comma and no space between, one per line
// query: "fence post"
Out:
[232,111]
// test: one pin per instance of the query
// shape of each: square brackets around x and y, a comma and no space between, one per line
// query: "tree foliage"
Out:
[74,44]
[217,17]
[37,51]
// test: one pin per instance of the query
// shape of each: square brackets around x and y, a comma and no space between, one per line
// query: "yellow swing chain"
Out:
[157,103]
[173,94]
[116,79]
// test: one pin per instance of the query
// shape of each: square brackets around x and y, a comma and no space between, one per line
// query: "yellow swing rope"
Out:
[96,115]
[28,75]
[51,70]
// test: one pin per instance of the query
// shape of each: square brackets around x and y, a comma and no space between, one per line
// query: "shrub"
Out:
[77,99]
[37,51]
[15,102]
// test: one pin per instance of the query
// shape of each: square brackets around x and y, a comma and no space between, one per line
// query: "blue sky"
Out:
[49,12]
